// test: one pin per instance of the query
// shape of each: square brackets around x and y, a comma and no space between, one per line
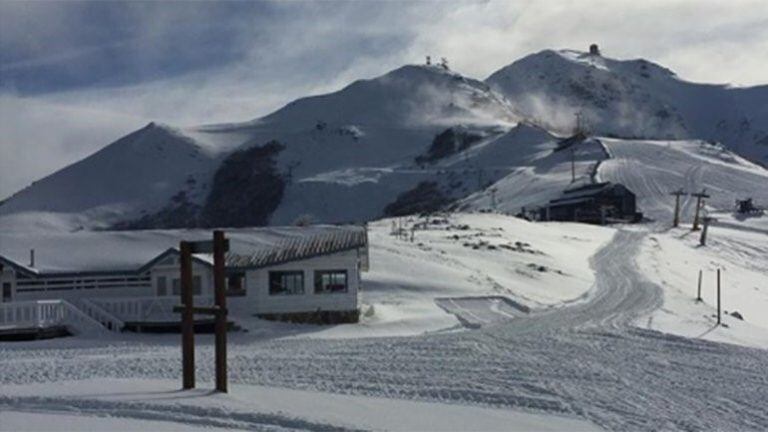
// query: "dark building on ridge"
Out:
[597,203]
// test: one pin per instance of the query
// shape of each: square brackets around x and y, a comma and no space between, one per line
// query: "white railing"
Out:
[47,313]
[29,314]
[110,321]
[129,309]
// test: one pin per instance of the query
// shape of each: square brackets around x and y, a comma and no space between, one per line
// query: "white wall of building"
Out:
[257,298]
[259,301]
[169,269]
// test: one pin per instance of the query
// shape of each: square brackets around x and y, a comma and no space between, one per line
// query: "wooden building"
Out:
[125,280]
[597,203]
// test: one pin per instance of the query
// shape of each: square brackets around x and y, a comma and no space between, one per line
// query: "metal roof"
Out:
[300,248]
[125,252]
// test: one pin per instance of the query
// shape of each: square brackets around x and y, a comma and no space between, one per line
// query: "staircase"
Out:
[107,319]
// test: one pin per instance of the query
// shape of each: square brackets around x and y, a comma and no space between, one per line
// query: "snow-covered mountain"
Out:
[417,138]
[633,99]
[144,169]
[315,158]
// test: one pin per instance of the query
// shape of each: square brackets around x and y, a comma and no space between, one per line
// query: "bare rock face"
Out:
[449,142]
[246,188]
[426,197]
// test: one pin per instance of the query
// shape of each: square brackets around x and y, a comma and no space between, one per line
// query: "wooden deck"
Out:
[17,334]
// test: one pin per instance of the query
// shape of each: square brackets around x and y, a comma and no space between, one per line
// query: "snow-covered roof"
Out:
[133,251]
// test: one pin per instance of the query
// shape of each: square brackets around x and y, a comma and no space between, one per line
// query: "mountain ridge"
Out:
[349,154]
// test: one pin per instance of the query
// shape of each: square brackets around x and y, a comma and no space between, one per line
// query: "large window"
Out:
[286,283]
[330,281]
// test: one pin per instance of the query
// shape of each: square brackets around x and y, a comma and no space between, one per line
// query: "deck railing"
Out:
[142,309]
[48,313]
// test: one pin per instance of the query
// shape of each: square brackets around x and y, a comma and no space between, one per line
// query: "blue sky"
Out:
[75,76]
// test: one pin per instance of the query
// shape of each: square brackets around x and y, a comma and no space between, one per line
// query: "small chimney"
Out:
[594,50]
[31,257]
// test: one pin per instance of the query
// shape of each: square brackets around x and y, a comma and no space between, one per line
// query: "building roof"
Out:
[105,252]
[583,193]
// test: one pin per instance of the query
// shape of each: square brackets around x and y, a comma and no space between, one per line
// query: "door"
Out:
[7,293]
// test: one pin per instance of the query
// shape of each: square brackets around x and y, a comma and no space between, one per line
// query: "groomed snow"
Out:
[159,405]
[468,255]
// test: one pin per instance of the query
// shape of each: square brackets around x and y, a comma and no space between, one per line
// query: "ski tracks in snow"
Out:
[585,360]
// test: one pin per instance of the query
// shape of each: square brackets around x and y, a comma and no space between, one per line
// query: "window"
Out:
[330,281]
[286,283]
[176,286]
[162,286]
[236,285]
[7,293]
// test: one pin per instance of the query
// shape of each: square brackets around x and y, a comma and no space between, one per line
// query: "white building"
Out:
[122,279]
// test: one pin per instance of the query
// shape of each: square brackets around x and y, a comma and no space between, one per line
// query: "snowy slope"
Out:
[140,171]
[348,154]
[633,99]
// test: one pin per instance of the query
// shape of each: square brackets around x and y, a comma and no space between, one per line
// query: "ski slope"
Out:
[653,169]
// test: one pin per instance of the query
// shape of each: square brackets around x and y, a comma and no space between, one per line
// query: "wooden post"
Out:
[698,295]
[677,195]
[219,283]
[703,239]
[718,297]
[187,317]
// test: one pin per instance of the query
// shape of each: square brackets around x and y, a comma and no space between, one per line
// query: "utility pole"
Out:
[578,121]
[698,295]
[703,239]
[678,193]
[718,297]
[493,198]
[699,204]
[187,317]
[220,247]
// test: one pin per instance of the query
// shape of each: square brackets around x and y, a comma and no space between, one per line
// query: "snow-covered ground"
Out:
[469,256]
[119,404]
[574,357]
[672,258]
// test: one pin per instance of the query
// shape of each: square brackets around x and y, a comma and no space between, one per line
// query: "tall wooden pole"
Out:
[699,204]
[718,297]
[677,194]
[698,295]
[219,284]
[187,317]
